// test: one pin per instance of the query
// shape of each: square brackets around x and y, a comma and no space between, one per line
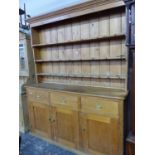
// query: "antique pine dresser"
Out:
[81,66]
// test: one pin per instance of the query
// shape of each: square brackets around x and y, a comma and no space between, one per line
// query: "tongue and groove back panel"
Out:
[86,50]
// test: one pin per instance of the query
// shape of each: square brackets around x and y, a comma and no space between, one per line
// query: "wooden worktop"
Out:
[84,90]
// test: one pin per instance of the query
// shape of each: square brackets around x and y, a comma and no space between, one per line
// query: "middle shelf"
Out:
[80,60]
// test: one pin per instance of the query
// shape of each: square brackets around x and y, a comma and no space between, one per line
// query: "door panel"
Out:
[67,130]
[99,141]
[99,134]
[65,126]
[39,118]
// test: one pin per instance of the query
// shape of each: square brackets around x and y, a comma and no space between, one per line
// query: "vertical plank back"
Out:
[100,63]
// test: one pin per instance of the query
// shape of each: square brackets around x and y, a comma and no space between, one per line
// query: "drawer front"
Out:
[36,95]
[65,100]
[42,96]
[31,94]
[99,106]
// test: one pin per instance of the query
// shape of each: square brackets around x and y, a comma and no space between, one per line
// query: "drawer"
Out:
[99,105]
[37,95]
[65,100]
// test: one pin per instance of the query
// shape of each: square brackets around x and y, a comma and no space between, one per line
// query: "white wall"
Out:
[37,7]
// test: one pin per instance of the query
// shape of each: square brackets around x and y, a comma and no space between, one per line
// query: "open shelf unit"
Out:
[90,47]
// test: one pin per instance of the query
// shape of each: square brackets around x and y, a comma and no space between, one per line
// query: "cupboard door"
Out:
[99,134]
[39,119]
[67,127]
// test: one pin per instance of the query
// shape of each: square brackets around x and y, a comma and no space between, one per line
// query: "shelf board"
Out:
[84,76]
[114,37]
[80,60]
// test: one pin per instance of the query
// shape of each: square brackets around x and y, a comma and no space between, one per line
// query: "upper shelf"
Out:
[114,37]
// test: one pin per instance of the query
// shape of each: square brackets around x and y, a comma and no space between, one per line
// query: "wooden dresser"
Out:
[86,118]
[81,66]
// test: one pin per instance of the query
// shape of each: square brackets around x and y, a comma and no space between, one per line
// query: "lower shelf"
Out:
[123,77]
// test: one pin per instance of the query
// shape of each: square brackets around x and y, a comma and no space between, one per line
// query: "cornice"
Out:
[74,11]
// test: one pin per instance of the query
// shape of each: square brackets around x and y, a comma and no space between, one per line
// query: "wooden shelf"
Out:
[114,37]
[83,76]
[77,60]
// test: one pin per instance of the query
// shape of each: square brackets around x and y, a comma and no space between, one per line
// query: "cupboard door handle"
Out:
[83,129]
[53,120]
